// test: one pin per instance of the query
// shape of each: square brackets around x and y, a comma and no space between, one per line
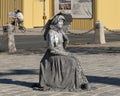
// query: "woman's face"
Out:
[60,23]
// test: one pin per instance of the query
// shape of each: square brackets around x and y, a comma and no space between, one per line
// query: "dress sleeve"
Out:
[66,40]
[50,40]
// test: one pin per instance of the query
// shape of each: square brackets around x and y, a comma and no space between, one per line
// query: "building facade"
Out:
[106,11]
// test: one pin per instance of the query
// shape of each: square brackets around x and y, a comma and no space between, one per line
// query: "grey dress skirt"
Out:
[60,70]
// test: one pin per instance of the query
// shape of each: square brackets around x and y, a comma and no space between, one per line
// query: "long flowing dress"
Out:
[59,69]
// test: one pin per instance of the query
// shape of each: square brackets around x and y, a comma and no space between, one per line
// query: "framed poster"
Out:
[77,8]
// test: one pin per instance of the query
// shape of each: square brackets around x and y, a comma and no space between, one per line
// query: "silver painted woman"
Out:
[60,70]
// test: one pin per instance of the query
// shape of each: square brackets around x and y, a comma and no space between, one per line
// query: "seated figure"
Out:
[60,70]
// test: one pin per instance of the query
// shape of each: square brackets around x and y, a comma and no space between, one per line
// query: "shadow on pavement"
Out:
[20,83]
[20,72]
[104,80]
[94,50]
[91,79]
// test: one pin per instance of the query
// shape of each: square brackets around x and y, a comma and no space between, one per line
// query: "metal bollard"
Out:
[99,33]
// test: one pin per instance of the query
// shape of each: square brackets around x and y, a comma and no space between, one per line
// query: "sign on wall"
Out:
[77,8]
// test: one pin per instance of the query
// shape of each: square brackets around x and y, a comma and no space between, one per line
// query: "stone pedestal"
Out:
[99,33]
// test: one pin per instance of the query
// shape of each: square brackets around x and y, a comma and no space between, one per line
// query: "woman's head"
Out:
[63,19]
[58,21]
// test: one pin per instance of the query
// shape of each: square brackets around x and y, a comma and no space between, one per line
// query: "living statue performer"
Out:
[60,70]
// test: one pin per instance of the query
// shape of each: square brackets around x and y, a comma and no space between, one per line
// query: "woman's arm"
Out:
[66,40]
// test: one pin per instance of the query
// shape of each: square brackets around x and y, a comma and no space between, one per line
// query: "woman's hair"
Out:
[54,20]
[57,18]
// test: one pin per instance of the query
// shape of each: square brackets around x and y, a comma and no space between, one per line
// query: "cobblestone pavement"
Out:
[18,72]
[101,64]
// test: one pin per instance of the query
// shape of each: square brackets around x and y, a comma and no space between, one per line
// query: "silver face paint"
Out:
[60,24]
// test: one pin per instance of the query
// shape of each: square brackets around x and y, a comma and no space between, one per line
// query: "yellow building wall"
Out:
[84,23]
[33,12]
[51,8]
[108,11]
[28,13]
[37,13]
[7,6]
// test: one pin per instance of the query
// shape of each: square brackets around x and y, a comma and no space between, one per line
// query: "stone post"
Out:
[4,39]
[99,33]
[8,42]
[11,39]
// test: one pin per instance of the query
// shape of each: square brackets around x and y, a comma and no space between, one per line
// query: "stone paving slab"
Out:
[18,72]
